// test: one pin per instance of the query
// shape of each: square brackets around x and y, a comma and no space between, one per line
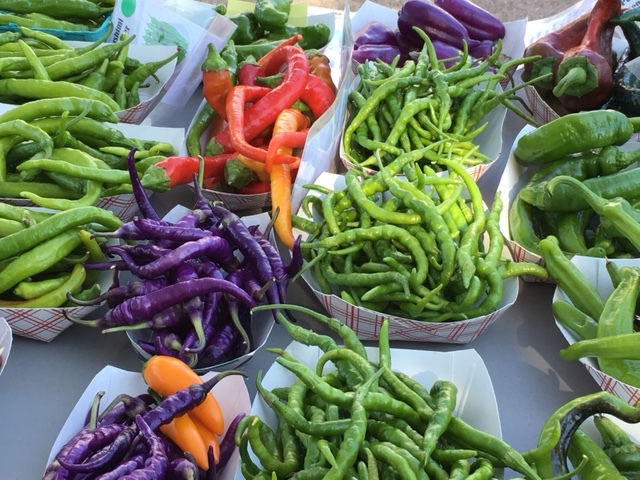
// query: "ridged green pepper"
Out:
[272,14]
[314,36]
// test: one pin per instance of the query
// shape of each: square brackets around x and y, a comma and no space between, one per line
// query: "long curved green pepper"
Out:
[444,394]
[354,436]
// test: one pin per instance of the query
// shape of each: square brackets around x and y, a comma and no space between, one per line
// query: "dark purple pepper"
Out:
[374,32]
[216,248]
[140,253]
[84,445]
[437,23]
[221,345]
[133,309]
[127,466]
[480,24]
[228,444]
[148,347]
[184,400]
[142,199]
[127,231]
[156,465]
[275,259]
[173,233]
[297,259]
[384,53]
[106,265]
[249,247]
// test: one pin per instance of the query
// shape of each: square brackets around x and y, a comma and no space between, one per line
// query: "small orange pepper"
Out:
[184,433]
[166,375]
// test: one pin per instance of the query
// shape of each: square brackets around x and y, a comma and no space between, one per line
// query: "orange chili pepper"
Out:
[290,120]
[216,81]
[184,433]
[166,375]
[285,139]
[209,438]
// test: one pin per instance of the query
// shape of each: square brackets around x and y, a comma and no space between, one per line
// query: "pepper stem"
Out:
[576,76]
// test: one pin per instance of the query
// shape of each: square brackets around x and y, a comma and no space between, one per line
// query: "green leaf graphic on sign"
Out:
[163,33]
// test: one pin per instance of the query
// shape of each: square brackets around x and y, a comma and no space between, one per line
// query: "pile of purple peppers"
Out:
[197,280]
[124,440]
[452,26]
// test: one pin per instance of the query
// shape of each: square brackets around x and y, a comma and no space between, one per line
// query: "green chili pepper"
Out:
[29,290]
[55,297]
[144,71]
[38,258]
[575,319]
[248,30]
[24,240]
[574,133]
[623,452]
[598,465]
[573,282]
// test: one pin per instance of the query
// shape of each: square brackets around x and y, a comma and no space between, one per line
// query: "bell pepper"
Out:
[320,66]
[551,47]
[248,30]
[218,77]
[272,14]
[585,74]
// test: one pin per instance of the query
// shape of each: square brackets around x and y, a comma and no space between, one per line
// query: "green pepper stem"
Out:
[573,79]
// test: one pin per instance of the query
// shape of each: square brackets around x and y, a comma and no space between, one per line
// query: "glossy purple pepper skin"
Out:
[480,24]
[437,23]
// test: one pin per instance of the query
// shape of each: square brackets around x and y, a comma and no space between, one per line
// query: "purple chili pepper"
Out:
[484,50]
[128,466]
[174,233]
[121,293]
[194,343]
[84,445]
[249,247]
[216,248]
[143,252]
[126,231]
[148,347]
[297,259]
[144,205]
[228,444]
[221,344]
[184,469]
[184,400]
[106,265]
[156,465]
[133,309]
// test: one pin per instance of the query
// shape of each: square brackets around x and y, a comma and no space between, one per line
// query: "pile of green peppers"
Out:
[258,31]
[584,189]
[62,153]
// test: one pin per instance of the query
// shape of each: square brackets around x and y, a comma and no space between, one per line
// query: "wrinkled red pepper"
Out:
[585,74]
[317,95]
[254,188]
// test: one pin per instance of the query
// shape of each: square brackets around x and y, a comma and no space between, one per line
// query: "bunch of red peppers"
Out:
[580,55]
[258,114]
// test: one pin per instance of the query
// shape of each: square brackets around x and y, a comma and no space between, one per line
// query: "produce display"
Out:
[198,279]
[407,237]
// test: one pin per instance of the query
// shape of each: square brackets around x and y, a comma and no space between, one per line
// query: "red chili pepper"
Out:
[216,81]
[288,42]
[585,75]
[254,188]
[248,72]
[263,113]
[180,170]
[317,95]
[289,132]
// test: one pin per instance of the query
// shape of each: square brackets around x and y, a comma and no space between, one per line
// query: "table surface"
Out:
[42,382]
